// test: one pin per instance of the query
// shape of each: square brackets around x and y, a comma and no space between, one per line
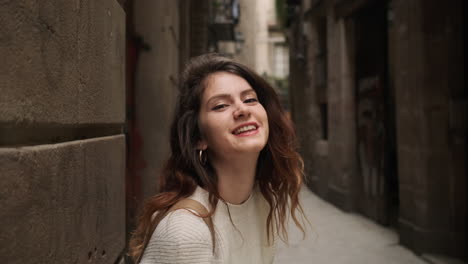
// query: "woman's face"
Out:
[232,120]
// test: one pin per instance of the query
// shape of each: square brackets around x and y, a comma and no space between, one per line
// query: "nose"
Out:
[241,111]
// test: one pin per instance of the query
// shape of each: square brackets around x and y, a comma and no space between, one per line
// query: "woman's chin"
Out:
[251,148]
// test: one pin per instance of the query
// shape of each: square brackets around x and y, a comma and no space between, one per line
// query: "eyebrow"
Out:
[247,91]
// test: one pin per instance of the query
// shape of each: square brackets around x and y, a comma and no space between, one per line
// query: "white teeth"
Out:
[245,128]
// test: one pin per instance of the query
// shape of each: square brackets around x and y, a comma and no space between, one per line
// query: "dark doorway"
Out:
[378,188]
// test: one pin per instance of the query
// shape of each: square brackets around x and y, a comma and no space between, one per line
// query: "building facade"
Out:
[380,104]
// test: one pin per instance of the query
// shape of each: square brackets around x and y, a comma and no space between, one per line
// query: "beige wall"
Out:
[62,151]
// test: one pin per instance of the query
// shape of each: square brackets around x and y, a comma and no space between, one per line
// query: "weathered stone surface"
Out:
[63,203]
[63,62]
[341,116]
[428,78]
[158,24]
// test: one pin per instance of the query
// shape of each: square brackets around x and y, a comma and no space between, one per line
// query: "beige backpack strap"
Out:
[190,204]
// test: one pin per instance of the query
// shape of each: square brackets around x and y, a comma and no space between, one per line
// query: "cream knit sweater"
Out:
[182,237]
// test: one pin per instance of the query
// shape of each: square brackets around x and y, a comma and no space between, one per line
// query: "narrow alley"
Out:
[375,90]
[336,237]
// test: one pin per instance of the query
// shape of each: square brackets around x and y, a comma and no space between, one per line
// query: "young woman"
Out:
[233,153]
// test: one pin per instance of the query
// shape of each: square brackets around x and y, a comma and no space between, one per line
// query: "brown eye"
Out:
[251,100]
[220,106]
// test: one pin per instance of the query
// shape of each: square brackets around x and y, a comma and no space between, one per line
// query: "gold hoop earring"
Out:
[202,157]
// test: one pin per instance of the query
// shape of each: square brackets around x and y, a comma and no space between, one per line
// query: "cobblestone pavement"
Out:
[336,237]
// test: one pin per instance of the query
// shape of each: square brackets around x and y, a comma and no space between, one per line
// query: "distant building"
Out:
[380,103]
[260,43]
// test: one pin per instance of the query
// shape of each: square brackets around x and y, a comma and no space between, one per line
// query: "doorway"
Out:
[375,116]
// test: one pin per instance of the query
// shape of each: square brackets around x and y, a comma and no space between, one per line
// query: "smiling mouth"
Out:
[245,129]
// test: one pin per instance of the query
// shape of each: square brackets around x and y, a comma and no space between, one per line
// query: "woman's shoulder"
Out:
[181,226]
[180,237]
[185,222]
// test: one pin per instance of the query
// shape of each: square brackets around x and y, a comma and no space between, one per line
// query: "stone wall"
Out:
[302,111]
[431,122]
[341,110]
[330,162]
[157,23]
[304,101]
[62,150]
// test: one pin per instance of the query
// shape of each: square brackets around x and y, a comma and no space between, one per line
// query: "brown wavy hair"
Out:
[279,169]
